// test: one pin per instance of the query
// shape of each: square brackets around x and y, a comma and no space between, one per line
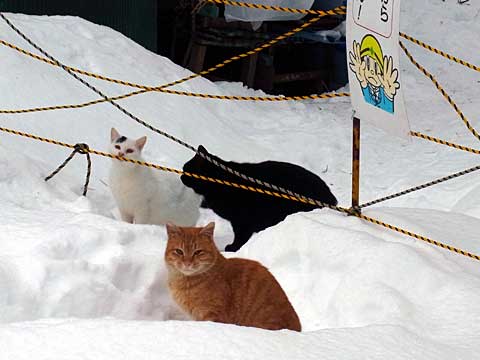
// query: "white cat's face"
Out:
[125,147]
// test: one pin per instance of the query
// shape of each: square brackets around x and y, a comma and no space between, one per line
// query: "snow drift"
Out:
[76,283]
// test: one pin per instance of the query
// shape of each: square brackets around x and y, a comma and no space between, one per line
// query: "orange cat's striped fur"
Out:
[210,287]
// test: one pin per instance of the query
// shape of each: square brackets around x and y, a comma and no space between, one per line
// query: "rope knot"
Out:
[82,148]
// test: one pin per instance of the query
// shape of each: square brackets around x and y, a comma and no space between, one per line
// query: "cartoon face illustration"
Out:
[375,73]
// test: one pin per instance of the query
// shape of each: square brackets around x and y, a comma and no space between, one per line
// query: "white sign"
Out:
[373,64]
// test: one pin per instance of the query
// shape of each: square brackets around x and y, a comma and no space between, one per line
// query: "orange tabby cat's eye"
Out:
[179,252]
[198,252]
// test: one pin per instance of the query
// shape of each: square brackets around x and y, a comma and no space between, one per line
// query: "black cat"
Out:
[247,211]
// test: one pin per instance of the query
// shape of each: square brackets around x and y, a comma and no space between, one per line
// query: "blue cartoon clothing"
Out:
[377,98]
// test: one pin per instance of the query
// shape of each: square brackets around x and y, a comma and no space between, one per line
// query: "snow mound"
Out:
[61,259]
[76,283]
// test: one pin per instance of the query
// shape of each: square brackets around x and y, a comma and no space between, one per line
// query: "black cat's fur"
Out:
[247,211]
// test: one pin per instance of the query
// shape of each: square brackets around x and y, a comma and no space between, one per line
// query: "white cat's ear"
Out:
[114,134]
[172,228]
[208,230]
[141,142]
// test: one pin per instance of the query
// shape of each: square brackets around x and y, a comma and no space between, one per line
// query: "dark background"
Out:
[161,27]
[144,21]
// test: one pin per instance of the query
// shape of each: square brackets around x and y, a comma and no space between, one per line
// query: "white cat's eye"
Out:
[117,147]
[198,252]
[179,252]
[129,151]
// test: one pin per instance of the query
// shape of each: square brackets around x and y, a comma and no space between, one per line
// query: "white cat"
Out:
[147,196]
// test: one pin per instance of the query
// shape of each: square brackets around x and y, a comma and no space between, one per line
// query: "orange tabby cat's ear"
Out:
[208,230]
[172,229]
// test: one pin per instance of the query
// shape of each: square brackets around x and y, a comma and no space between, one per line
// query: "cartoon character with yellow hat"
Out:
[375,73]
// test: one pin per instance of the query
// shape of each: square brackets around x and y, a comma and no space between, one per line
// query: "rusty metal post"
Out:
[356,163]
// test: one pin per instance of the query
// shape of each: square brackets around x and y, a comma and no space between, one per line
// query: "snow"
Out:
[77,283]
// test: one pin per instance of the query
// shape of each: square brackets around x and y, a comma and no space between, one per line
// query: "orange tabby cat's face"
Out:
[190,250]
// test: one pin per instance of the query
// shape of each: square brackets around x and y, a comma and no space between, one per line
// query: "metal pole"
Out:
[356,163]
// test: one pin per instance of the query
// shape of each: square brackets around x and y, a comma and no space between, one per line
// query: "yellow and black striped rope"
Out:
[200,4]
[217,66]
[440,52]
[419,237]
[28,53]
[79,71]
[431,183]
[159,88]
[338,11]
[442,91]
[248,188]
[248,53]
[203,96]
[443,142]
[78,149]
[162,88]
[71,106]
[147,125]
[86,149]
[419,187]
[176,82]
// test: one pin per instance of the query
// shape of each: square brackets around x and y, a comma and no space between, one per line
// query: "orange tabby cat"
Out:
[210,287]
